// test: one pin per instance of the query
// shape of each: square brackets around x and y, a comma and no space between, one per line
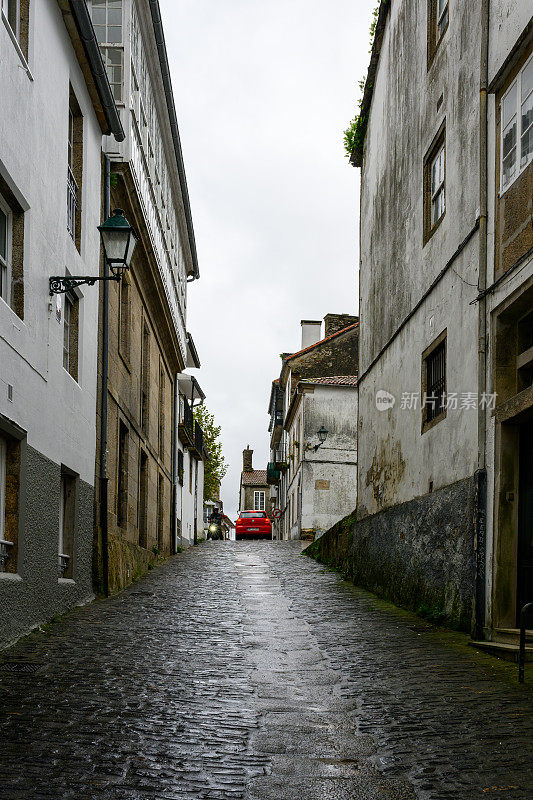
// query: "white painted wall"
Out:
[57,412]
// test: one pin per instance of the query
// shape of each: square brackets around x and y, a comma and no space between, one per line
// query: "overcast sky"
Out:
[263,93]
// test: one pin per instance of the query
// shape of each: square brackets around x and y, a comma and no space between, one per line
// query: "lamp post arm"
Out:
[66,283]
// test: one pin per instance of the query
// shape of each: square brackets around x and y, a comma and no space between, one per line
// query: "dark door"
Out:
[525,519]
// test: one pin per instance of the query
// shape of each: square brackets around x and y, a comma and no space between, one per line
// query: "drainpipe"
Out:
[481,472]
[103,399]
[175,412]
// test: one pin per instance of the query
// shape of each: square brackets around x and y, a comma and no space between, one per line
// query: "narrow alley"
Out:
[250,671]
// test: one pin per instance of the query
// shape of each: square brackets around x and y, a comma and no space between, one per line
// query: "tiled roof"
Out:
[258,477]
[334,380]
[321,341]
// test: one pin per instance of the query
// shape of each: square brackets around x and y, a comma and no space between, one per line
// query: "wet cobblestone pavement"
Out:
[245,670]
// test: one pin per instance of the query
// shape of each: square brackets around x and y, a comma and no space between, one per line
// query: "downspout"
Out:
[174,519]
[481,472]
[103,398]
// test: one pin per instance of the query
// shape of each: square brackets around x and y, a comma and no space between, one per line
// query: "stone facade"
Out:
[252,481]
[446,264]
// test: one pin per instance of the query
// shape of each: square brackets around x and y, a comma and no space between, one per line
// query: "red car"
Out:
[253,525]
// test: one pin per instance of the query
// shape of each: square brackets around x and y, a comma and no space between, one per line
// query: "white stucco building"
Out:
[55,105]
[320,484]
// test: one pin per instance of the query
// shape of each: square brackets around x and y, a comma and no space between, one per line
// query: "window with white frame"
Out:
[438,199]
[107,21]
[517,126]
[5,248]
[259,501]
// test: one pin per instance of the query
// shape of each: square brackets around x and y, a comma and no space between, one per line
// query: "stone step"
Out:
[511,635]
[504,650]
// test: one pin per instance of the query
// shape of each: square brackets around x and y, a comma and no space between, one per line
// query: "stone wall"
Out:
[419,554]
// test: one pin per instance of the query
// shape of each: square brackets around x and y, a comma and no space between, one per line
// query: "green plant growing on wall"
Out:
[354,135]
[216,466]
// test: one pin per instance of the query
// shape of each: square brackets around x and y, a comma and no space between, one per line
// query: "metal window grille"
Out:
[436,382]
[72,203]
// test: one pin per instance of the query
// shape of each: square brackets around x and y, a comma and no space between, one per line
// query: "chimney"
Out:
[336,322]
[311,332]
[247,459]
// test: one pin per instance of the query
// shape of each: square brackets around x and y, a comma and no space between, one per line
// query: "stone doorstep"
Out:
[504,650]
[511,636]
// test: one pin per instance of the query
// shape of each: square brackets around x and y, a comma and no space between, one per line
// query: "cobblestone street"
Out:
[249,671]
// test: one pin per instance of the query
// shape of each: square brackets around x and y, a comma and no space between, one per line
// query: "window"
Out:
[517,126]
[143,500]
[435,185]
[259,501]
[71,335]
[180,467]
[438,18]
[107,21]
[16,14]
[5,246]
[9,502]
[434,383]
[160,510]
[161,405]
[145,380]
[122,477]
[66,525]
[74,169]
[124,337]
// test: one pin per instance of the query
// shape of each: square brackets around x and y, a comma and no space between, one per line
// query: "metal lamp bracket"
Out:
[67,283]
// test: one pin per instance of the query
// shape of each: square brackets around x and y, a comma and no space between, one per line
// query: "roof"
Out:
[258,477]
[321,341]
[334,380]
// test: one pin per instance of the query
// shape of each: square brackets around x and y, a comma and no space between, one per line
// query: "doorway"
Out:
[525,519]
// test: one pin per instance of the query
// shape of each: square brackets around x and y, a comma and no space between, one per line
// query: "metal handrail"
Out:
[527,609]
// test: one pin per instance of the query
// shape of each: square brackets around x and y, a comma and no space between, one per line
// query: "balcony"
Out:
[186,423]
[273,474]
[280,461]
[198,440]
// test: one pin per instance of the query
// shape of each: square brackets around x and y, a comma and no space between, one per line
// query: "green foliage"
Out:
[215,467]
[354,135]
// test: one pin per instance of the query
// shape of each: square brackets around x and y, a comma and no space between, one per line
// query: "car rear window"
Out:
[252,514]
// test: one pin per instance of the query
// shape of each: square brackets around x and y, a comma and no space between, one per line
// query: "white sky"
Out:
[264,91]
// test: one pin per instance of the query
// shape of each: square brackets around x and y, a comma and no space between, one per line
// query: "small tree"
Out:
[215,467]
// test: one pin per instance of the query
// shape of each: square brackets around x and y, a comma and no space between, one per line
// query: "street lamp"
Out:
[118,241]
[322,434]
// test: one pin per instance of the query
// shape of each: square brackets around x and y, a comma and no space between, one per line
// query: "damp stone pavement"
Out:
[247,670]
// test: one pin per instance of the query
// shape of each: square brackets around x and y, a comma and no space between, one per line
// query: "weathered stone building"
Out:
[446,303]
[56,104]
[254,491]
[150,452]
[313,482]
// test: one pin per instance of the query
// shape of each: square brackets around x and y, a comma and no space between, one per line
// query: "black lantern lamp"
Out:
[118,241]
[322,434]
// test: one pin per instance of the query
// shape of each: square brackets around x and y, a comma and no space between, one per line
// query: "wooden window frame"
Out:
[427,424]
[74,169]
[438,145]
[433,38]
[71,334]
[5,260]
[122,475]
[124,321]
[10,475]
[67,521]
